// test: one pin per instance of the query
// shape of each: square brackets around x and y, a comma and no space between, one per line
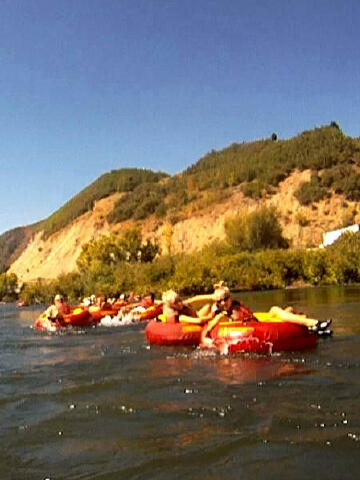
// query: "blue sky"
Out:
[87,86]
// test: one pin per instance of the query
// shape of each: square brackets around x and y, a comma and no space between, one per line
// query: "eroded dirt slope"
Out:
[304,226]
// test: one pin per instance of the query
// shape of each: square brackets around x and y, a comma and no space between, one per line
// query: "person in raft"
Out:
[200,309]
[244,314]
[176,310]
[59,308]
[225,303]
[147,301]
[102,303]
[147,309]
[288,314]
[234,313]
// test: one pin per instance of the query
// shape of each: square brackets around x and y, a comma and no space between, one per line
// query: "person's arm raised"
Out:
[200,299]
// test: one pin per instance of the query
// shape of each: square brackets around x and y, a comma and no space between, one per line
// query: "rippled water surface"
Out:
[100,404]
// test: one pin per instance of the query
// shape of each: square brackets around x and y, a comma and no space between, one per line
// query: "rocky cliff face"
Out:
[303,226]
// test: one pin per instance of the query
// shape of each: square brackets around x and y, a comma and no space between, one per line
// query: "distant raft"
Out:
[150,313]
[137,315]
[78,318]
[22,303]
[263,337]
[97,314]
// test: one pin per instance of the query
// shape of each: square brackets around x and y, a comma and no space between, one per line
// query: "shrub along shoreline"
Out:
[193,273]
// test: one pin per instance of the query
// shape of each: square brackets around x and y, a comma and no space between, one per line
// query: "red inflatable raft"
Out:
[162,333]
[23,303]
[78,318]
[150,313]
[257,337]
[263,337]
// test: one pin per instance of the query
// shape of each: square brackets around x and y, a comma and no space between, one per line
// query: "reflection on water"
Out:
[100,404]
[244,370]
[231,370]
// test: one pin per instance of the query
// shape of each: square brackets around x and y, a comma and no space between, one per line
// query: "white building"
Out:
[330,237]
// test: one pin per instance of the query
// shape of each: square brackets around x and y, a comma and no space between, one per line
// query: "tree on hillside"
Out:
[256,230]
[108,251]
[335,125]
[8,286]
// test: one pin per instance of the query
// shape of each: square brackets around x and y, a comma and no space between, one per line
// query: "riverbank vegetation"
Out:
[8,287]
[113,269]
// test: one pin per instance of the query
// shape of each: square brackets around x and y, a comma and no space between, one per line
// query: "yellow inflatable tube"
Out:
[277,315]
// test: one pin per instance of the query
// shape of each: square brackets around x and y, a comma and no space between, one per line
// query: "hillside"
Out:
[313,180]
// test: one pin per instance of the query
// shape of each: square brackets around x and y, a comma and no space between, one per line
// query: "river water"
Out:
[101,404]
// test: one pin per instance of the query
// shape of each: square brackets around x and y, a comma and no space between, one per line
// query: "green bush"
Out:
[160,211]
[311,192]
[40,291]
[161,270]
[192,275]
[8,287]
[109,250]
[349,185]
[254,189]
[139,204]
[319,268]
[345,257]
[256,230]
[71,285]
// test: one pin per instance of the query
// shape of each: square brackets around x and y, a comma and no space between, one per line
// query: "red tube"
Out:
[263,337]
[162,333]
